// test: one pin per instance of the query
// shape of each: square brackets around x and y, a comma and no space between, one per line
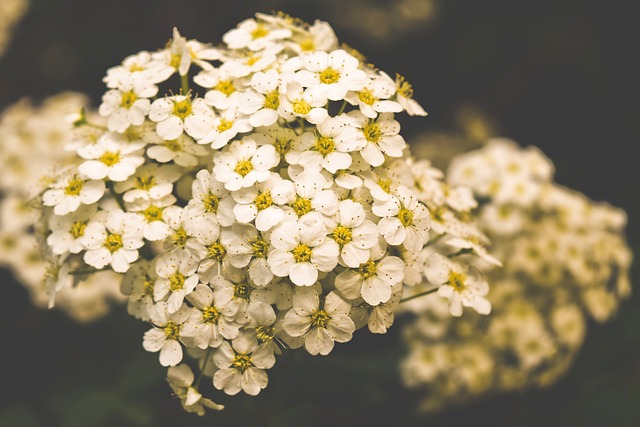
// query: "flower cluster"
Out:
[269,203]
[565,262]
[32,148]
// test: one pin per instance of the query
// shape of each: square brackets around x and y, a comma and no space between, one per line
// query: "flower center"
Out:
[225,86]
[342,235]
[302,253]
[243,167]
[110,158]
[385,184]
[307,45]
[259,32]
[263,200]
[172,330]
[241,290]
[260,247]
[329,76]
[264,333]
[272,100]
[182,108]
[301,107]
[210,203]
[175,61]
[217,251]
[224,125]
[301,206]
[179,238]
[127,99]
[77,229]
[457,281]
[366,96]
[406,217]
[320,319]
[368,269]
[152,213]
[210,315]
[372,132]
[176,282]
[145,182]
[74,187]
[113,242]
[242,362]
[403,87]
[147,286]
[324,145]
[173,145]
[283,146]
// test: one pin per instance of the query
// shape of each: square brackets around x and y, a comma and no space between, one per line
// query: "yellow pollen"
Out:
[366,96]
[148,285]
[342,235]
[457,281]
[307,45]
[259,32]
[242,362]
[324,145]
[152,213]
[320,319]
[224,125]
[179,238]
[329,76]
[301,107]
[176,282]
[302,253]
[217,251]
[403,86]
[252,59]
[368,269]
[406,217]
[182,108]
[385,184]
[272,100]
[225,86]
[175,61]
[372,132]
[74,187]
[264,334]
[301,206]
[172,330]
[77,229]
[127,99]
[210,203]
[243,167]
[145,182]
[283,146]
[110,158]
[113,242]
[263,200]
[210,315]
[260,247]
[134,68]
[241,290]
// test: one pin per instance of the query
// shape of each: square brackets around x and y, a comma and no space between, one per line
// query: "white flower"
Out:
[225,127]
[152,212]
[210,200]
[260,203]
[209,245]
[67,231]
[211,322]
[129,104]
[405,220]
[71,191]
[372,280]
[460,285]
[353,233]
[166,335]
[254,36]
[138,284]
[262,103]
[404,95]
[150,182]
[244,164]
[302,249]
[241,366]
[224,87]
[380,317]
[329,76]
[296,102]
[176,277]
[374,98]
[250,247]
[180,380]
[140,66]
[111,157]
[113,238]
[182,151]
[178,113]
[310,197]
[320,326]
[379,137]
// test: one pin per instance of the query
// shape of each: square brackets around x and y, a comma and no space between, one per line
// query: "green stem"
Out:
[430,291]
[344,105]
[302,126]
[204,366]
[185,84]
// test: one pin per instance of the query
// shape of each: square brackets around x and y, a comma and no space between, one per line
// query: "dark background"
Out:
[558,74]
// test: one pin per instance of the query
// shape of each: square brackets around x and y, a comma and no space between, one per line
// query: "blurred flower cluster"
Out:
[32,144]
[11,11]
[565,262]
[265,202]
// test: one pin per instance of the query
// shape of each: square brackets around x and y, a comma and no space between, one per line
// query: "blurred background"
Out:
[558,74]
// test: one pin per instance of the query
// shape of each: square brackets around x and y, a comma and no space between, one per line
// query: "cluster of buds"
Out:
[565,262]
[267,204]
